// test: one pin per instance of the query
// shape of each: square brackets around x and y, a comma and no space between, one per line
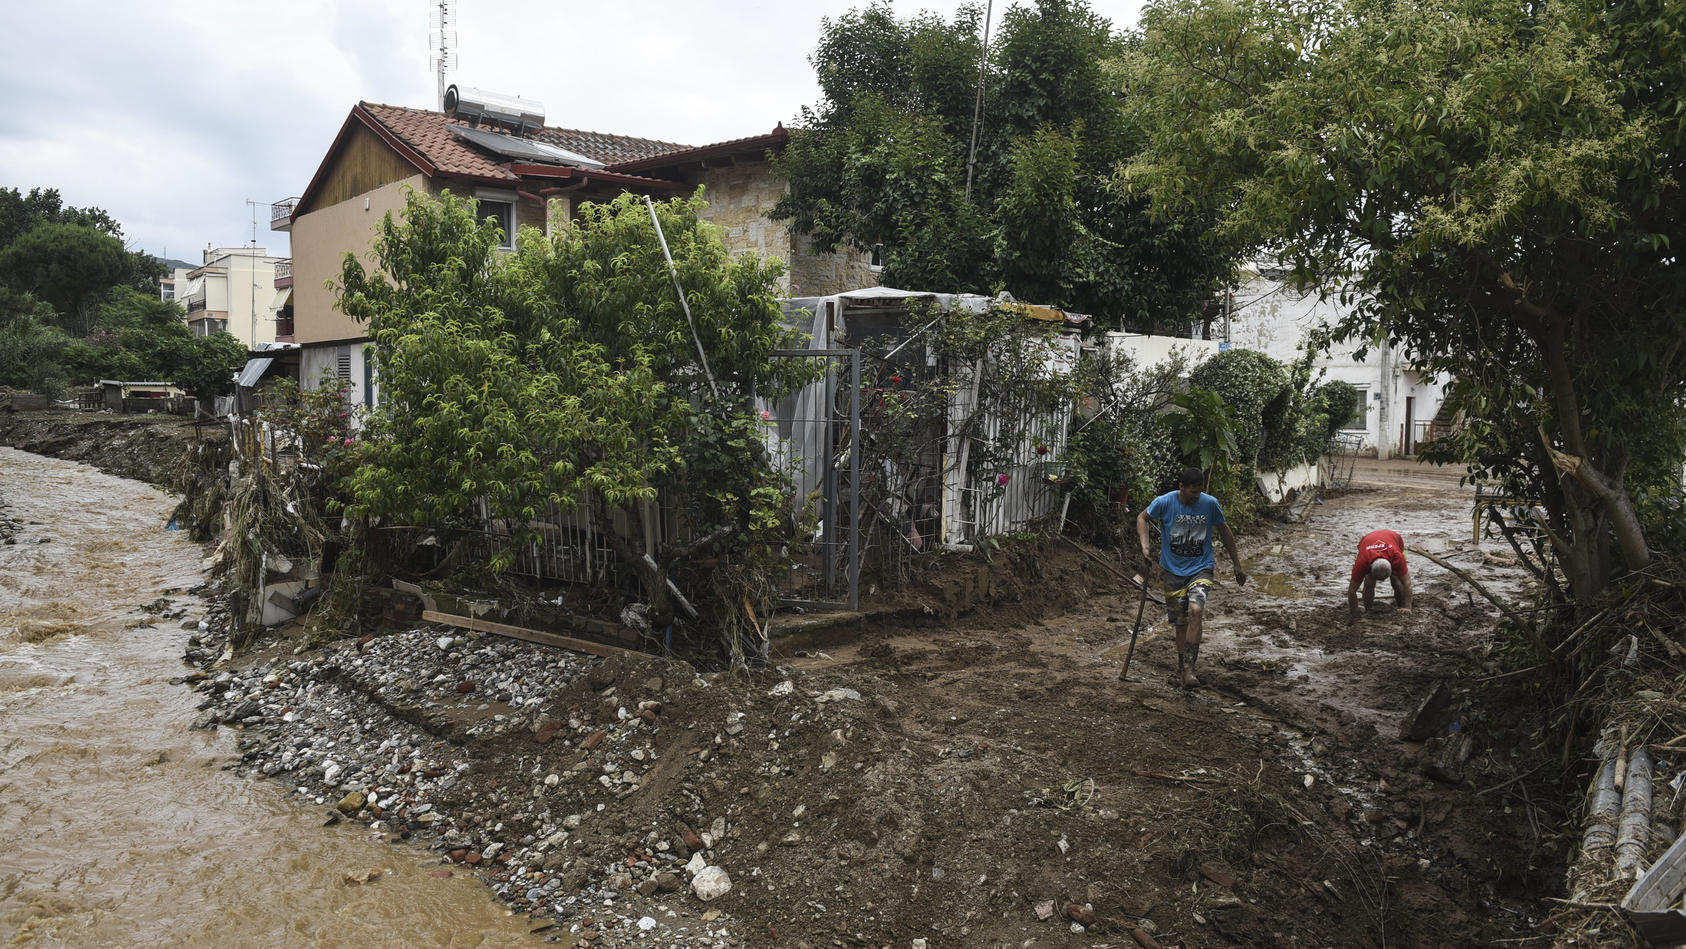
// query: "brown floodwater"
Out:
[118,826]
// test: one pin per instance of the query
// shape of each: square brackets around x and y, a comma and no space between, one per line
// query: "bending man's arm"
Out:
[1141,534]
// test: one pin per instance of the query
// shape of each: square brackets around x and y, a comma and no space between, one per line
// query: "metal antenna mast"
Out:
[252,269]
[442,41]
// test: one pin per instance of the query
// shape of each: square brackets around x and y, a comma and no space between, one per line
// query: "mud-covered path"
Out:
[1275,806]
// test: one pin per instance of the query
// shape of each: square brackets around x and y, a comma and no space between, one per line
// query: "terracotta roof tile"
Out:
[428,133]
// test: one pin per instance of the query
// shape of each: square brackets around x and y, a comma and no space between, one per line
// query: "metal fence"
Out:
[1341,459]
[814,437]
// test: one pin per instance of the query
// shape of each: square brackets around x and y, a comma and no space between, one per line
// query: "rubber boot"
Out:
[1185,664]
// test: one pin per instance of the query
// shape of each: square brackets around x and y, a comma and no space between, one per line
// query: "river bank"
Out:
[123,826]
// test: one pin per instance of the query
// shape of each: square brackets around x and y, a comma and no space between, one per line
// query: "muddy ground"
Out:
[995,784]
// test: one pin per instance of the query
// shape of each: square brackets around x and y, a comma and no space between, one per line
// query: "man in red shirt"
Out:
[1381,556]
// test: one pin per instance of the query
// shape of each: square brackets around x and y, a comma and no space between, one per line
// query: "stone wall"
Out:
[741,196]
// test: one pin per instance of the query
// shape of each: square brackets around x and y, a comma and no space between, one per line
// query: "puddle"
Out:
[1275,584]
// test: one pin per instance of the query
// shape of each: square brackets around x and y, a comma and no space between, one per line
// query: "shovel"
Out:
[1124,673]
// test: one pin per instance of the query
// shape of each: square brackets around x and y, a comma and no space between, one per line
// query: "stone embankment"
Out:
[585,791]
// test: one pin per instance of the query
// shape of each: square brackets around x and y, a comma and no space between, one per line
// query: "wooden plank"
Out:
[529,635]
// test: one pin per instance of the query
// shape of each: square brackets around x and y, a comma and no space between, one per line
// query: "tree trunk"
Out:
[651,573]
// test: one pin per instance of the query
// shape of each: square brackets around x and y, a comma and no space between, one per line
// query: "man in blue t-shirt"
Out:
[1186,518]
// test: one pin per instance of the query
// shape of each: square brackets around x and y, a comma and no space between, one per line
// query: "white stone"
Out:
[443,642]
[551,780]
[697,864]
[783,688]
[711,884]
[647,923]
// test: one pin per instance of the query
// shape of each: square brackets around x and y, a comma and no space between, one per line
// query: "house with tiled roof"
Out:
[524,174]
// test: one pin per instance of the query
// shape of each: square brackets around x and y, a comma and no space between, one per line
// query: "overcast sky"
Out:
[172,115]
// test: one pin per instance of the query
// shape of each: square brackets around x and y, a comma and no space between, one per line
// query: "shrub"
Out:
[1255,389]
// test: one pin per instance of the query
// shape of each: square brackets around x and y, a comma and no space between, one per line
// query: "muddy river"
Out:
[119,825]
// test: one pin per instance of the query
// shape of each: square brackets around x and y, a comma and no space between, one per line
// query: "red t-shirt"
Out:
[1378,545]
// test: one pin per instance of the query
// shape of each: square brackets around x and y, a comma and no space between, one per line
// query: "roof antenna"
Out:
[442,42]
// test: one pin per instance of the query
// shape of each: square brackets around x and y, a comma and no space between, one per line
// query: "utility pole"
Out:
[252,270]
[977,106]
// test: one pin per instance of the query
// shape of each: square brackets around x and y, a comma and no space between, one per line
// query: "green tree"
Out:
[1498,184]
[569,374]
[21,213]
[31,345]
[885,159]
[144,338]
[70,267]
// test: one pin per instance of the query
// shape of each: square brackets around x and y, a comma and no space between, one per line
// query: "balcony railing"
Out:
[284,268]
[196,304]
[281,214]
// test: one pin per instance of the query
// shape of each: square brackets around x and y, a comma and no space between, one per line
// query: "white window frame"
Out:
[506,198]
[1363,411]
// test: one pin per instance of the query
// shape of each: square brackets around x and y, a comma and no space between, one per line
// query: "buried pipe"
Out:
[1633,834]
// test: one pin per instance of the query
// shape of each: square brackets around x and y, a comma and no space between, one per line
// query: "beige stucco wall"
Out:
[740,197]
[320,242]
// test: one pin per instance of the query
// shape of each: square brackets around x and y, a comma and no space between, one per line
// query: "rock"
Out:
[689,837]
[646,923]
[597,738]
[1218,875]
[1447,755]
[547,731]
[711,884]
[243,711]
[1045,910]
[1082,915]
[696,865]
[1429,716]
[351,803]
[668,882]
[602,675]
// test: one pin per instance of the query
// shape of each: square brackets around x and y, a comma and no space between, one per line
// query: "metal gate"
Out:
[815,439]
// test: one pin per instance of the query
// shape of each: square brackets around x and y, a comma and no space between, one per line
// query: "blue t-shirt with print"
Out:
[1185,532]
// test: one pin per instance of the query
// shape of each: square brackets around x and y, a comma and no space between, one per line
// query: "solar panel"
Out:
[524,149]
